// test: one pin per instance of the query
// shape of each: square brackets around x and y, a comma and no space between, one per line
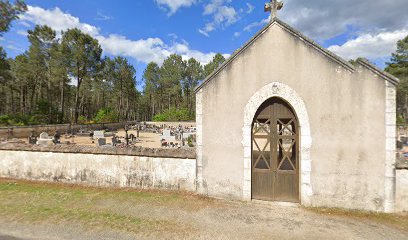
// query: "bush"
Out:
[105,115]
[4,119]
[400,119]
[172,115]
[82,120]
[20,120]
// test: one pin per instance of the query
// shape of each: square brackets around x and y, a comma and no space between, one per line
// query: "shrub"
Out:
[82,120]
[20,120]
[172,115]
[105,115]
[400,119]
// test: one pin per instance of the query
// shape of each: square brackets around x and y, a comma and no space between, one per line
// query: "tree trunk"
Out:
[49,96]
[62,96]
[76,113]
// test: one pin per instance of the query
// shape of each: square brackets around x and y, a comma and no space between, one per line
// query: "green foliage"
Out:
[19,120]
[213,65]
[120,76]
[190,141]
[400,119]
[82,120]
[10,12]
[105,115]
[399,68]
[172,115]
[4,66]
[59,79]
[83,58]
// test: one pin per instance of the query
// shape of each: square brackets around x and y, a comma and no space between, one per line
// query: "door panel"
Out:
[275,167]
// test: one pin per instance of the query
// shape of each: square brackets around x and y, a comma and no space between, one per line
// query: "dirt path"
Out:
[231,221]
[100,214]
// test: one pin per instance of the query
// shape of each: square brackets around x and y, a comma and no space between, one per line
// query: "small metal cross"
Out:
[273,7]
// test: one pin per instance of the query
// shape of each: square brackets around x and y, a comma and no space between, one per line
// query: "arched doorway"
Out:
[275,152]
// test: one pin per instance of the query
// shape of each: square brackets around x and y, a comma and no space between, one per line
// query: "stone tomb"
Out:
[167,136]
[99,134]
[45,140]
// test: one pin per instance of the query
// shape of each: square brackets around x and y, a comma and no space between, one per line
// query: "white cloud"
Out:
[371,46]
[184,50]
[14,48]
[22,33]
[222,15]
[323,19]
[253,25]
[250,8]
[57,20]
[203,32]
[24,23]
[143,50]
[173,5]
[377,24]
[100,16]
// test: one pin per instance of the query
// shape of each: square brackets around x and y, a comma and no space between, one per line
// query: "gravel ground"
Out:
[218,220]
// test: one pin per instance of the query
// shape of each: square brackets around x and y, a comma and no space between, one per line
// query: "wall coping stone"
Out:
[105,150]
[402,164]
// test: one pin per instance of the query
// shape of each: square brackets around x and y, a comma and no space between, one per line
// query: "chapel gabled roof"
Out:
[306,40]
[387,76]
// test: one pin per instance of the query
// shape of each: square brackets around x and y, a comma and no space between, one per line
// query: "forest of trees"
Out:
[66,80]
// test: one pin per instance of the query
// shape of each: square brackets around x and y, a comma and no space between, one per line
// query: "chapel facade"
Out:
[286,120]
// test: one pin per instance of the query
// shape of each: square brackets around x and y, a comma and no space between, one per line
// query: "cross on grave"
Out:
[273,7]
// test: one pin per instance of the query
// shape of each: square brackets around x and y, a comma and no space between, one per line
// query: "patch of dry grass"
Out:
[34,202]
[397,220]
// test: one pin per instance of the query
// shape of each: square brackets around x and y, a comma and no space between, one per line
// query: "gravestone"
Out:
[166,135]
[57,138]
[98,134]
[45,140]
[32,139]
[101,142]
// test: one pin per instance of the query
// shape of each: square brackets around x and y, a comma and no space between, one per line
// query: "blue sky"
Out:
[150,30]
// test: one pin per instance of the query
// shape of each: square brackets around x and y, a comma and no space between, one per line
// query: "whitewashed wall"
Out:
[100,170]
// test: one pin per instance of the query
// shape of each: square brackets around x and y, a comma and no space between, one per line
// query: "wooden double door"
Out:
[275,153]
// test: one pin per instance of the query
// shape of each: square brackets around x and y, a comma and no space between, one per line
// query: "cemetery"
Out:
[146,135]
[140,121]
[227,152]
[311,129]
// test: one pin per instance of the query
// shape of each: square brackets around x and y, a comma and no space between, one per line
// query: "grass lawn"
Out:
[33,202]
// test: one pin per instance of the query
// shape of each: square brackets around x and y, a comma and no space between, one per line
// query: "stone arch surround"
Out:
[277,89]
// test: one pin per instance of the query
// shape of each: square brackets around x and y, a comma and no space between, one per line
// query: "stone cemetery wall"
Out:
[136,168]
[402,190]
[173,124]
[401,196]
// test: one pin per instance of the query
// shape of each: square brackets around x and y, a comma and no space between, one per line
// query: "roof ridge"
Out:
[389,77]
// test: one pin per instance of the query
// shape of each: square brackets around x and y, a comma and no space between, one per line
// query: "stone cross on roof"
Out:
[273,7]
